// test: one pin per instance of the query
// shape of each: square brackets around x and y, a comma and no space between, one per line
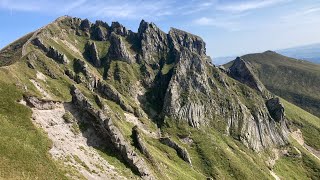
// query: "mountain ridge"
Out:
[163,85]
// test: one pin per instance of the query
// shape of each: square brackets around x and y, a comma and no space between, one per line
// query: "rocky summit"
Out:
[119,104]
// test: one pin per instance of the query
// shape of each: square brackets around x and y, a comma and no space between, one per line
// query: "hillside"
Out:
[82,100]
[295,80]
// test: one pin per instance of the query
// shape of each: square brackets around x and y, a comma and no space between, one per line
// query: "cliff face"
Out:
[151,77]
[177,78]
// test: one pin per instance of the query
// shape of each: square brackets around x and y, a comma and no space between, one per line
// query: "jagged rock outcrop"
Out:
[183,84]
[85,25]
[182,152]
[57,56]
[182,39]
[41,104]
[38,42]
[119,29]
[81,66]
[100,31]
[92,54]
[242,71]
[139,142]
[154,43]
[118,49]
[111,93]
[276,109]
[51,52]
[195,96]
[105,126]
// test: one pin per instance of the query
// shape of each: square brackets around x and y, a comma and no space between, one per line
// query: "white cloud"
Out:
[303,13]
[94,8]
[204,21]
[229,24]
[248,5]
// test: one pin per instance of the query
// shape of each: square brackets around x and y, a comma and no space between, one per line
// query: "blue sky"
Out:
[229,27]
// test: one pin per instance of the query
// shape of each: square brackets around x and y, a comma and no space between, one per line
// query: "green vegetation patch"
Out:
[23,147]
[308,123]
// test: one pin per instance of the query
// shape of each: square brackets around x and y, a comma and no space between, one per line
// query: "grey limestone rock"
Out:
[105,125]
[118,49]
[57,56]
[118,29]
[111,93]
[92,54]
[242,71]
[276,109]
[182,152]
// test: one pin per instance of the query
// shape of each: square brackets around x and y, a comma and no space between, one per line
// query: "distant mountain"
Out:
[297,81]
[309,52]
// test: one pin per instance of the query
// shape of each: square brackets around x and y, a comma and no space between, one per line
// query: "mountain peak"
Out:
[243,72]
[149,100]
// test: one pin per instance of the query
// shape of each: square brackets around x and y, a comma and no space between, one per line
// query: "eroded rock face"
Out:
[182,152]
[276,109]
[41,104]
[242,71]
[119,29]
[140,143]
[105,126]
[118,49]
[38,42]
[199,94]
[154,42]
[111,93]
[192,42]
[92,54]
[91,79]
[100,31]
[57,56]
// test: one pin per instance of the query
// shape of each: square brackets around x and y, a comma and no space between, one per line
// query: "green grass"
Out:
[166,68]
[308,123]
[68,117]
[79,161]
[23,148]
[219,156]
[112,157]
[294,80]
[306,167]
[123,76]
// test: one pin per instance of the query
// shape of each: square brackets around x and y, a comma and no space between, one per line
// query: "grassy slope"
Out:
[308,123]
[23,147]
[294,80]
[307,167]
